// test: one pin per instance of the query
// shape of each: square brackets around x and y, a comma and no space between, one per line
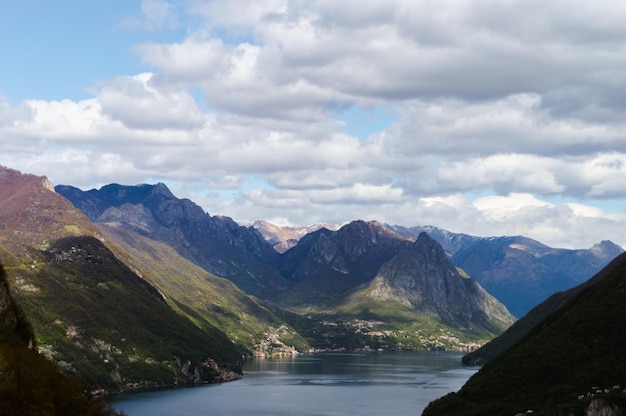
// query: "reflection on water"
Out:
[318,384]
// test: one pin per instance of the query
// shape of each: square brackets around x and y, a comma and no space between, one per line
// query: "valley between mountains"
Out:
[130,286]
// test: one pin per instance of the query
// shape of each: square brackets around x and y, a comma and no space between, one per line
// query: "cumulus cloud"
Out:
[140,103]
[156,15]
[499,108]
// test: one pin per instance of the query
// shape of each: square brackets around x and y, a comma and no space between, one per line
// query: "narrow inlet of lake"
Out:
[322,384]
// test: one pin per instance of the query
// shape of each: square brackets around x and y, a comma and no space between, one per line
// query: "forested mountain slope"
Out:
[569,359]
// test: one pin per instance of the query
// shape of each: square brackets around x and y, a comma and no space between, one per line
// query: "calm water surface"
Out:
[318,385]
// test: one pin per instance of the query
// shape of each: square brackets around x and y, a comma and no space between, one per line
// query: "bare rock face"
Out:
[216,243]
[519,271]
[600,407]
[282,238]
[417,274]
[421,277]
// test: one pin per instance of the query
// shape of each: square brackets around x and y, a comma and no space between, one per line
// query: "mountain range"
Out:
[282,238]
[124,292]
[327,270]
[137,287]
[520,272]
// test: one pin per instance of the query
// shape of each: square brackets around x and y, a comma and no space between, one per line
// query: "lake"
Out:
[322,384]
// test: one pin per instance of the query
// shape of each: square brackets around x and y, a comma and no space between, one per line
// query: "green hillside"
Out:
[29,383]
[574,351]
[95,317]
[98,319]
[203,297]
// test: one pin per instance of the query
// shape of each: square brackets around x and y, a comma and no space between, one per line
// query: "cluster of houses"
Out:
[597,391]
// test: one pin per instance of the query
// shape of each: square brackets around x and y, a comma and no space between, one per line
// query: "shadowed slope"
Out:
[578,346]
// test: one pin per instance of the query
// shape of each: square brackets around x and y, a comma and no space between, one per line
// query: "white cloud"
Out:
[238,15]
[156,15]
[519,102]
[11,116]
[140,103]
[191,61]
[500,206]
[585,210]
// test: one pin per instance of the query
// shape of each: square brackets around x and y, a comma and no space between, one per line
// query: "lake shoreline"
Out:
[364,382]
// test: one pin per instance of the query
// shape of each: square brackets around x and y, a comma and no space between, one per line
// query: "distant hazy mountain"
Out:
[451,242]
[283,238]
[524,325]
[569,363]
[90,312]
[519,271]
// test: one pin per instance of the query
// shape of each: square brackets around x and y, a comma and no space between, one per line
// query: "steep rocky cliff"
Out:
[365,260]
[520,272]
[216,243]
[421,277]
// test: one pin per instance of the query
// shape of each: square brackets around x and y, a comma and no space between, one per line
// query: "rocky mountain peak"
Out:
[426,244]
[216,243]
[162,189]
[422,277]
[31,214]
[606,249]
[47,184]
[357,236]
[15,181]
[282,238]
[358,244]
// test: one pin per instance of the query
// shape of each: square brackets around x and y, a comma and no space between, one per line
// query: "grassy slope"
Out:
[99,320]
[201,296]
[575,348]
[89,311]
[29,383]
[411,329]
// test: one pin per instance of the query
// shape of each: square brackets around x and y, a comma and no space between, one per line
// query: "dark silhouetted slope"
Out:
[523,326]
[577,347]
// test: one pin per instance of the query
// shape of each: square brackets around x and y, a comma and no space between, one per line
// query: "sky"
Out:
[485,117]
